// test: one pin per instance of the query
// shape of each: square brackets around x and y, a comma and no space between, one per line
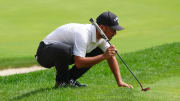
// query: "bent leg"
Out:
[63,57]
[55,54]
[77,73]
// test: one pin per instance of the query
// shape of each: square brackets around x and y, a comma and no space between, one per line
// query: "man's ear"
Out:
[102,27]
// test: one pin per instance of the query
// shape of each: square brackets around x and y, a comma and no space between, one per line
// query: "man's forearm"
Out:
[88,61]
[113,64]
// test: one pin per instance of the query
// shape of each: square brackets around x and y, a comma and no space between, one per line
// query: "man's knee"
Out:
[95,52]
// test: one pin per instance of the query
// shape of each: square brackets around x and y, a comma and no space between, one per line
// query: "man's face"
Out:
[109,32]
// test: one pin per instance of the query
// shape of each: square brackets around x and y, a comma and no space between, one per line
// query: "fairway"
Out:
[25,23]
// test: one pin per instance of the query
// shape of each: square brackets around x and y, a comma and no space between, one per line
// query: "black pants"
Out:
[60,55]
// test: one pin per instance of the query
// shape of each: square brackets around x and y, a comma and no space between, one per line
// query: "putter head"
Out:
[146,89]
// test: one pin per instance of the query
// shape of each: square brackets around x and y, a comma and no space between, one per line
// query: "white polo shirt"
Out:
[82,37]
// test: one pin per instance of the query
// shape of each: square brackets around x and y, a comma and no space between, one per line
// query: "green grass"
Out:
[157,67]
[24,23]
[16,62]
[148,23]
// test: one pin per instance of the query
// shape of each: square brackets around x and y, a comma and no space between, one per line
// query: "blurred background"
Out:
[24,23]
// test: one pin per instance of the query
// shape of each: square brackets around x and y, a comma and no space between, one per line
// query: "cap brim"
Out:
[117,28]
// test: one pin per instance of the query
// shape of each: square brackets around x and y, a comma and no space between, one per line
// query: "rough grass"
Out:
[157,67]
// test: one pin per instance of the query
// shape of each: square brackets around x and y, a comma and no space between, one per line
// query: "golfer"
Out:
[81,45]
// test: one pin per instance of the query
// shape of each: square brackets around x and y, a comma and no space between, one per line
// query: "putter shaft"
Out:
[126,65]
[106,38]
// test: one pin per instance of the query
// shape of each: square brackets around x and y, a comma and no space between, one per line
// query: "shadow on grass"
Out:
[31,93]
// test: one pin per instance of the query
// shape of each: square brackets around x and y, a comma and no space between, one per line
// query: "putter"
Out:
[106,38]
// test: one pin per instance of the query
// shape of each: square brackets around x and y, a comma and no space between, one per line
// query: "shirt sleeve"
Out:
[104,45]
[80,45]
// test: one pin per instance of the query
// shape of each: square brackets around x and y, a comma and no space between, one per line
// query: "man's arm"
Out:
[113,64]
[109,55]
[81,62]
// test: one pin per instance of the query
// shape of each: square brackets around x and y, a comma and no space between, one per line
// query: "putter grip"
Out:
[99,29]
[96,25]
[91,20]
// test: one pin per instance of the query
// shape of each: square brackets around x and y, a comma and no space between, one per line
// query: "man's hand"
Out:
[110,52]
[123,84]
[113,64]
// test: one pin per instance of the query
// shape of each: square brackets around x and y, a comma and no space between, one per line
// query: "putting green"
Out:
[165,90]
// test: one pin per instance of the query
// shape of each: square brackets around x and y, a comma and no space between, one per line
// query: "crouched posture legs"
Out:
[74,73]
[60,55]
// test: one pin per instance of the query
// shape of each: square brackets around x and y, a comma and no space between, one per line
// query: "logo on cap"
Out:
[116,19]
